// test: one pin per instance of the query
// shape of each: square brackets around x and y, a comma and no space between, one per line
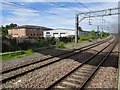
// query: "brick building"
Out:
[27,31]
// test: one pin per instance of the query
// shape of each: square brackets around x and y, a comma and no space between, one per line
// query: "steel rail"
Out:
[52,85]
[15,68]
[19,74]
[92,74]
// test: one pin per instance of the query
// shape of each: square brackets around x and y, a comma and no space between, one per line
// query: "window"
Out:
[55,33]
[62,33]
[15,34]
[47,32]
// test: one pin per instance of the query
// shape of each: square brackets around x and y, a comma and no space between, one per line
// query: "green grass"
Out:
[60,44]
[18,55]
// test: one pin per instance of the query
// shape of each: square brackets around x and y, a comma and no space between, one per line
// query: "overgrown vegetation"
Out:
[60,44]
[9,44]
[92,36]
[47,41]
[104,34]
[19,54]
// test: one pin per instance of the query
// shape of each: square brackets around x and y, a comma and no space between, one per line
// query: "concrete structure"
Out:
[27,31]
[59,33]
[62,33]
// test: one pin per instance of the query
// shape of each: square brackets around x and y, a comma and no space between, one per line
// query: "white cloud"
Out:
[25,16]
[24,12]
[63,0]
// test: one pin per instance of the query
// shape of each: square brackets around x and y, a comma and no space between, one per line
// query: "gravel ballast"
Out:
[42,54]
[41,78]
[107,75]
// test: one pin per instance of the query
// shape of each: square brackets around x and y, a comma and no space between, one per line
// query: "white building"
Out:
[59,33]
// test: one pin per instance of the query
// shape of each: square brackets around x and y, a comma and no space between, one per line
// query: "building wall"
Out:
[34,33]
[58,33]
[17,32]
[23,32]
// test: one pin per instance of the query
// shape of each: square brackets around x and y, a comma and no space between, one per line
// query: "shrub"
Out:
[105,34]
[68,39]
[47,41]
[60,45]
[43,42]
[83,38]
[51,41]
[92,35]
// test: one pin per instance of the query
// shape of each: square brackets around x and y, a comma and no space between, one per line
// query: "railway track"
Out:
[15,72]
[80,76]
[33,62]
[24,65]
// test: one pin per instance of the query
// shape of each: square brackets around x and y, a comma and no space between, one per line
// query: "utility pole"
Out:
[76,27]
[97,30]
[93,14]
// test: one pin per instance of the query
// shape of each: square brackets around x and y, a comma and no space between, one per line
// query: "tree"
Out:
[4,30]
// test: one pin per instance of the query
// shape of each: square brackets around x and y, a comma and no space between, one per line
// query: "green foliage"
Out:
[60,45]
[51,41]
[67,39]
[83,38]
[18,54]
[104,34]
[92,35]
[4,30]
[47,42]
[43,42]
[29,52]
[10,55]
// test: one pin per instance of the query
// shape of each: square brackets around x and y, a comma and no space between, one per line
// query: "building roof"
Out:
[63,29]
[32,27]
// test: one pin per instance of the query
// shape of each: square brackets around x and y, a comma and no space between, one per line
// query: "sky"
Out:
[57,13]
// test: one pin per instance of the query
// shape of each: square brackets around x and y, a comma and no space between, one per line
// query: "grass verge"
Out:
[16,55]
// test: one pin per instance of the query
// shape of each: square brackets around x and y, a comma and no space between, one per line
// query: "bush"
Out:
[104,34]
[43,42]
[92,35]
[47,41]
[60,45]
[67,39]
[51,41]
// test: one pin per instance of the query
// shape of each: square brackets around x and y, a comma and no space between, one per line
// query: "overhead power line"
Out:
[82,5]
[90,10]
[57,4]
[26,7]
[108,12]
[31,8]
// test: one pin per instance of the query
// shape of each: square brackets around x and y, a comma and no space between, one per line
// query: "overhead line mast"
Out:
[92,14]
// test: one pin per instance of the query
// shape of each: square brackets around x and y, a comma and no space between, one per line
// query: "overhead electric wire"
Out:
[90,10]
[63,6]
[31,8]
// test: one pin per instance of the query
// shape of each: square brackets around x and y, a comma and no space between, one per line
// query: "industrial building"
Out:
[59,33]
[26,31]
[62,33]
